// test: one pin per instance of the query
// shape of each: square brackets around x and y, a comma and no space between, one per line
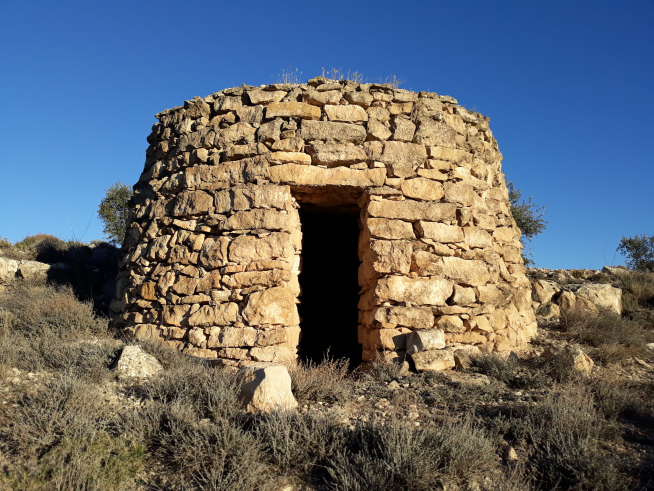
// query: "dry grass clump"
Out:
[613,338]
[325,381]
[36,308]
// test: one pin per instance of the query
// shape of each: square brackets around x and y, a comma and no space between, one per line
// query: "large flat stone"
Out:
[336,154]
[425,340]
[246,197]
[466,271]
[317,176]
[414,317]
[292,110]
[433,361]
[245,249]
[412,210]
[400,152]
[384,228]
[417,291]
[271,306]
[346,113]
[330,131]
[257,219]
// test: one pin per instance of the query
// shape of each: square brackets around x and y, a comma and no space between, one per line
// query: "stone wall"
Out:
[213,249]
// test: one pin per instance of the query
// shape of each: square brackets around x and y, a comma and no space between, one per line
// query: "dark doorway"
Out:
[330,291]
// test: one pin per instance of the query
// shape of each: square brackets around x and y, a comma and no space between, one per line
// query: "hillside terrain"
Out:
[573,410]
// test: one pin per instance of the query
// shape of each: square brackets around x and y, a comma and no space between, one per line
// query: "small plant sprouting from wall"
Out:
[289,76]
[340,74]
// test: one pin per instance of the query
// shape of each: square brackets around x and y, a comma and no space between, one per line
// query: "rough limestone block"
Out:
[300,175]
[390,229]
[292,109]
[422,189]
[466,272]
[328,130]
[414,317]
[346,113]
[134,362]
[602,296]
[271,306]
[412,210]
[266,387]
[417,291]
[440,232]
[335,154]
[425,340]
[433,361]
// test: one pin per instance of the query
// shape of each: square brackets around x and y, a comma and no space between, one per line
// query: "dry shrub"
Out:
[202,391]
[613,338]
[500,368]
[190,427]
[205,455]
[565,430]
[39,308]
[299,444]
[172,359]
[397,456]
[326,381]
[508,371]
[627,400]
[637,294]
[381,370]
[45,327]
[514,478]
[65,438]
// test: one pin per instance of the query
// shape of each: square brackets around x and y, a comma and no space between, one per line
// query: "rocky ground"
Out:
[573,410]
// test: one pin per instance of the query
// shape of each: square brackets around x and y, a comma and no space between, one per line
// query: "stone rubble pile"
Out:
[14,268]
[557,291]
[213,249]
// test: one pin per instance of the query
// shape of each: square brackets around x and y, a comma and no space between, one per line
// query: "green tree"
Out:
[528,217]
[639,251]
[114,210]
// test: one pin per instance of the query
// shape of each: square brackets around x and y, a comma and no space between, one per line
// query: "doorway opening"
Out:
[330,290]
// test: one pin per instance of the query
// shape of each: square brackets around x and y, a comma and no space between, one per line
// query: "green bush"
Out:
[114,211]
[528,217]
[639,251]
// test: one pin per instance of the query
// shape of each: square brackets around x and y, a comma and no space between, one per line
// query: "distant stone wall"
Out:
[212,252]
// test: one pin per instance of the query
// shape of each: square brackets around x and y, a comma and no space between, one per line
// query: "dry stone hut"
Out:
[381,213]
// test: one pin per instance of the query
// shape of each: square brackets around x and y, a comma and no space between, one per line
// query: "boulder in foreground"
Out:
[134,362]
[266,387]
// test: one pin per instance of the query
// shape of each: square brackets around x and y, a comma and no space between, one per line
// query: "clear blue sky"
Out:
[569,88]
